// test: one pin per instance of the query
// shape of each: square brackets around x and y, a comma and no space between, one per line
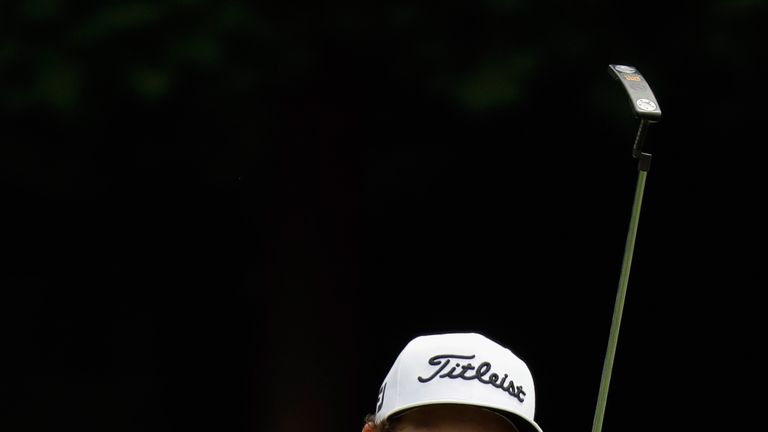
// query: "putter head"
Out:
[641,98]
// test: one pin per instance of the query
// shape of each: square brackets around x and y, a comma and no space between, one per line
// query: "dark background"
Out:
[232,215]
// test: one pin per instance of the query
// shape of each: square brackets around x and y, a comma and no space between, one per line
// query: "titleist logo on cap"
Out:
[468,371]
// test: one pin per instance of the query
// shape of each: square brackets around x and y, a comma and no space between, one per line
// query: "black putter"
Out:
[646,108]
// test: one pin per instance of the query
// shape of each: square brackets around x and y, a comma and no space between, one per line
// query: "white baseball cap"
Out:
[459,368]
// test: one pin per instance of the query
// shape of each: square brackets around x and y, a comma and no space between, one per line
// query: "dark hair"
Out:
[380,426]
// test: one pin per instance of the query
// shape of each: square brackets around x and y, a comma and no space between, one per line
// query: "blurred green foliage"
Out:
[71,57]
[250,71]
[75,56]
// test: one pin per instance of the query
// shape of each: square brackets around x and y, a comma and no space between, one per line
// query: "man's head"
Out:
[460,379]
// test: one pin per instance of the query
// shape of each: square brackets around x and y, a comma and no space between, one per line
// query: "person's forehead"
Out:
[452,418]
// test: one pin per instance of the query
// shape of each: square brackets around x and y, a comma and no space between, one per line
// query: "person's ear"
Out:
[368,427]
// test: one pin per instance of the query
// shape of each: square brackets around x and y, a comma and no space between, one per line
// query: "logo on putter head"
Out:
[646,104]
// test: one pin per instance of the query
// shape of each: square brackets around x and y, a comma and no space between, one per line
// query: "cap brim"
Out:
[522,424]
